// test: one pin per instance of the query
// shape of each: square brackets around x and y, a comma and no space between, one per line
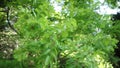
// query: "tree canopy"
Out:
[75,37]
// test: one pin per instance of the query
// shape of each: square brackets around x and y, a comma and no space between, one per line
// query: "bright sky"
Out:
[104,9]
[57,7]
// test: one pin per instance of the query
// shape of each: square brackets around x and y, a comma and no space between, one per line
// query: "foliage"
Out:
[10,63]
[76,37]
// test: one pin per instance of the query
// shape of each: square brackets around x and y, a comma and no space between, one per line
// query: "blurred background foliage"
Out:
[75,37]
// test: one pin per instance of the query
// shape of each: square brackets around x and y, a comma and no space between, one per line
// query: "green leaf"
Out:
[47,60]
